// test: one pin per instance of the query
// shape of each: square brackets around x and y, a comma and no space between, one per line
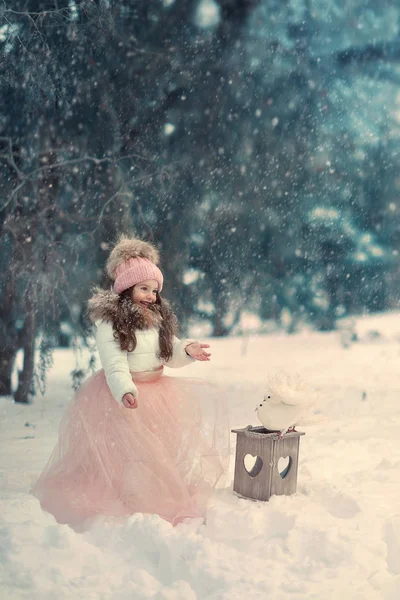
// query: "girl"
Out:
[134,439]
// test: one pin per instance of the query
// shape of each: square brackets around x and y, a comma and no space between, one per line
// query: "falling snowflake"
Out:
[208,14]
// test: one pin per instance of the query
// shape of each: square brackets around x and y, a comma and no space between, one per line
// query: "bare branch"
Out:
[97,161]
[10,156]
[44,13]
[368,54]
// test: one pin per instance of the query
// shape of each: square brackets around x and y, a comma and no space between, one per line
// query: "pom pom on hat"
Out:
[132,261]
[130,248]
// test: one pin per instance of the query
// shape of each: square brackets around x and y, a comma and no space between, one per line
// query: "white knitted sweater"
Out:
[118,364]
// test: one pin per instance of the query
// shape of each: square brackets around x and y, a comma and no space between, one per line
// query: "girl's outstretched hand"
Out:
[196,350]
[129,401]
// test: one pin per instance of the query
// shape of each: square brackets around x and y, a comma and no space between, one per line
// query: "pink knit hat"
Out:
[133,261]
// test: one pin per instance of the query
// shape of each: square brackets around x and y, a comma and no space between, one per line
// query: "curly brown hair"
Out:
[129,317]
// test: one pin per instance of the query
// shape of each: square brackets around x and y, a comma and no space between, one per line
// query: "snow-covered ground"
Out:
[337,537]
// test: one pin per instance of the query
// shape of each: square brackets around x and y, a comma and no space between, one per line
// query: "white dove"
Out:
[286,404]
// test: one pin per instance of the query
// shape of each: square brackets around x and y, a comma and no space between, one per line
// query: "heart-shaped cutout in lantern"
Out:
[284,464]
[253,464]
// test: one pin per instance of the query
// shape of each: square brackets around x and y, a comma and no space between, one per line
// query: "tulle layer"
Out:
[165,457]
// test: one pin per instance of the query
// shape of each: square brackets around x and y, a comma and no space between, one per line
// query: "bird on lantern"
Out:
[288,402]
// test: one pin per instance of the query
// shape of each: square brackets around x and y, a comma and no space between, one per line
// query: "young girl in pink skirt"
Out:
[134,439]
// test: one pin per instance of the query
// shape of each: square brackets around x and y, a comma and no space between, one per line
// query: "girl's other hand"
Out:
[129,401]
[196,350]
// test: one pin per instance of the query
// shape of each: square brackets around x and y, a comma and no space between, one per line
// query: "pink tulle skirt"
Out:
[165,457]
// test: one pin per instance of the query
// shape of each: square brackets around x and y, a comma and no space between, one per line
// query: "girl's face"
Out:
[145,293]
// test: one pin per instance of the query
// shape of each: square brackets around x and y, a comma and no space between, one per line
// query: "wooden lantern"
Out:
[274,463]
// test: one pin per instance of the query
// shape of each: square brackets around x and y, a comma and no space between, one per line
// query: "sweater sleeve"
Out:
[179,357]
[114,362]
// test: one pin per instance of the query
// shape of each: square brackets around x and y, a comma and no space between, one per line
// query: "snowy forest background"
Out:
[255,142]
